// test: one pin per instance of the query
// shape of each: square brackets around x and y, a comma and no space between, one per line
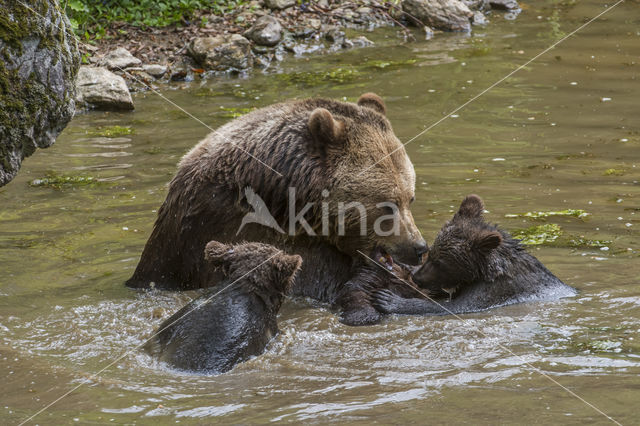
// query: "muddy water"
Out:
[561,134]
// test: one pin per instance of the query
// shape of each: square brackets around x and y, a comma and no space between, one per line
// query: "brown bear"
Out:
[476,266]
[223,327]
[379,271]
[303,162]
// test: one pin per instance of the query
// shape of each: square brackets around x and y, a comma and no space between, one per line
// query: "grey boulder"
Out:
[99,88]
[445,15]
[222,53]
[38,68]
[266,31]
[120,59]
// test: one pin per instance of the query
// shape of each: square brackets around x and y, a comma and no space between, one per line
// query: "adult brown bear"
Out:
[285,175]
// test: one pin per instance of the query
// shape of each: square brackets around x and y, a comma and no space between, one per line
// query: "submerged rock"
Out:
[120,59]
[479,18]
[266,31]
[38,68]
[101,89]
[446,15]
[279,4]
[221,53]
[504,4]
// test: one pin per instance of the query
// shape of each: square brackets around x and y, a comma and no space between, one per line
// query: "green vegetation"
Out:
[111,131]
[90,17]
[234,112]
[537,235]
[338,75]
[541,215]
[614,172]
[551,234]
[580,242]
[388,64]
[600,346]
[59,182]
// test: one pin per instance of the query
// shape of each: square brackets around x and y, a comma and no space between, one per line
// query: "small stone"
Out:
[261,61]
[266,31]
[304,32]
[120,59]
[260,49]
[479,18]
[428,33]
[101,89]
[363,10]
[334,35]
[314,23]
[179,73]
[362,41]
[289,45]
[155,70]
[138,79]
[279,4]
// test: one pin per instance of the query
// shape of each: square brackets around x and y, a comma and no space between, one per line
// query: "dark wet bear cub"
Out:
[476,266]
[235,319]
[376,271]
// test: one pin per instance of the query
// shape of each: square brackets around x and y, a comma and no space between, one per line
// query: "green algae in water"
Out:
[338,75]
[614,172]
[537,235]
[64,181]
[601,346]
[111,131]
[234,112]
[580,242]
[541,215]
[388,64]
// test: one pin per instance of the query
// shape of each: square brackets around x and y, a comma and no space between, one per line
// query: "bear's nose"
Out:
[421,249]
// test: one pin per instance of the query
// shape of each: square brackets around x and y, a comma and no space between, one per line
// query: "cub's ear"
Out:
[215,252]
[373,101]
[287,266]
[324,128]
[485,241]
[472,206]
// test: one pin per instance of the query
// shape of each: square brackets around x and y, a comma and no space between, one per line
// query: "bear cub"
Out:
[234,320]
[476,266]
[377,271]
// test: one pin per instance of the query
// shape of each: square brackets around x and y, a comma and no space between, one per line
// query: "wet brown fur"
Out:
[316,144]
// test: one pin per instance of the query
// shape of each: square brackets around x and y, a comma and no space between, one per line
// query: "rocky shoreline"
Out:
[255,36]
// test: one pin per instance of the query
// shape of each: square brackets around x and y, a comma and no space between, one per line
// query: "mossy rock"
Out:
[39,62]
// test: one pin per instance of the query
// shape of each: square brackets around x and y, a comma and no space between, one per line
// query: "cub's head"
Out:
[262,264]
[461,252]
[372,181]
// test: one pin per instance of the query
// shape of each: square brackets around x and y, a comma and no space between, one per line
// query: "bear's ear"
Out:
[472,206]
[324,128]
[215,251]
[287,266]
[373,101]
[485,241]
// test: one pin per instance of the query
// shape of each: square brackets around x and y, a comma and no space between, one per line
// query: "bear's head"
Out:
[461,252]
[262,264]
[372,180]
